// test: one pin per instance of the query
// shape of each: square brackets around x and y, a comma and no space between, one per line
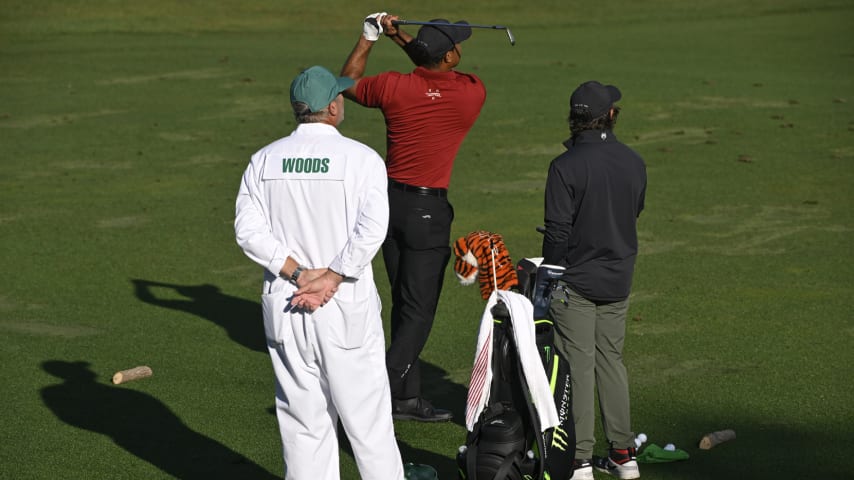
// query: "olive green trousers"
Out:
[590,337]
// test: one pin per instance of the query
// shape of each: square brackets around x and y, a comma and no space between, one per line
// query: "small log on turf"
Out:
[711,439]
[131,374]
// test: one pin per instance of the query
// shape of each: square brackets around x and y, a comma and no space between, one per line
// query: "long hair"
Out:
[303,114]
[581,121]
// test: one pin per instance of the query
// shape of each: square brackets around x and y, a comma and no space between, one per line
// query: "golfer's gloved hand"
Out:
[372,28]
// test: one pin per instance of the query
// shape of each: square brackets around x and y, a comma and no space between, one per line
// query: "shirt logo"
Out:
[305,165]
[433,94]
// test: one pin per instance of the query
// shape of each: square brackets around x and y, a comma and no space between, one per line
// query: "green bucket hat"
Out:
[317,87]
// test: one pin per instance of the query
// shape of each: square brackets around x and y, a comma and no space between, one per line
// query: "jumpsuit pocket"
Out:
[276,310]
[350,327]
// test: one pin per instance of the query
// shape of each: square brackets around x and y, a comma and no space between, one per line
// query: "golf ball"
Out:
[670,447]
[642,437]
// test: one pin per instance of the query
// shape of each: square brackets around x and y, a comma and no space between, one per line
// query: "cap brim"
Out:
[461,33]
[614,92]
[346,82]
[456,34]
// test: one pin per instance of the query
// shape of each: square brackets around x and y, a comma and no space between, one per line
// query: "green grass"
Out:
[125,127]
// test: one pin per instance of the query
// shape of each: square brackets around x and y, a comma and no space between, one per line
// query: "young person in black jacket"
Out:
[594,194]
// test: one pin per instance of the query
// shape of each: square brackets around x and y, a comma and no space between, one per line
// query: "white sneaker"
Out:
[619,464]
[583,470]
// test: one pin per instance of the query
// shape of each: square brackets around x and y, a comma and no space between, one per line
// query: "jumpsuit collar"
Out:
[315,129]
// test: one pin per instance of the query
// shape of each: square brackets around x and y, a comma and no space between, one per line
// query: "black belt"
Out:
[436,192]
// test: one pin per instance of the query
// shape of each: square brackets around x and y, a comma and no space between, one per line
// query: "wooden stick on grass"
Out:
[711,439]
[132,374]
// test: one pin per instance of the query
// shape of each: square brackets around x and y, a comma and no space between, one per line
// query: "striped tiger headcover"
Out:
[474,260]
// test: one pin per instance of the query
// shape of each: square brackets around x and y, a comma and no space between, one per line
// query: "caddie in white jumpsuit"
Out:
[313,211]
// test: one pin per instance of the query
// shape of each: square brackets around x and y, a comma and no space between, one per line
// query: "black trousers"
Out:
[416,252]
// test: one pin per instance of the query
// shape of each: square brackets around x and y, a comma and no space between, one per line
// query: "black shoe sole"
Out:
[418,418]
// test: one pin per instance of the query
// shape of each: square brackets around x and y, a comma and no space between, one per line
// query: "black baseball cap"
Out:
[594,99]
[438,39]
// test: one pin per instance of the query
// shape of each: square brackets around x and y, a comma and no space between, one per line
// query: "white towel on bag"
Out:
[522,318]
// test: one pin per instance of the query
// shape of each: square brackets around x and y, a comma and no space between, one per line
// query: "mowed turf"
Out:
[125,127]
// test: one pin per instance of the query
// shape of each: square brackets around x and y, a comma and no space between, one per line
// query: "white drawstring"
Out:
[494,270]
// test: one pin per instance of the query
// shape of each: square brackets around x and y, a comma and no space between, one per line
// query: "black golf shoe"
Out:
[418,409]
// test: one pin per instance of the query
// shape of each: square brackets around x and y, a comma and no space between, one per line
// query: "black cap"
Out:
[436,40]
[593,99]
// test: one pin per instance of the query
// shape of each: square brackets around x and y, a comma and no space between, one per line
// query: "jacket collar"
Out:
[591,136]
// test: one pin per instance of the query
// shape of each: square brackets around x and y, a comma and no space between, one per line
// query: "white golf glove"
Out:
[372,28]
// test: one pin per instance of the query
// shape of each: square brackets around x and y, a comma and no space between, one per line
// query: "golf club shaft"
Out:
[457,25]
[442,24]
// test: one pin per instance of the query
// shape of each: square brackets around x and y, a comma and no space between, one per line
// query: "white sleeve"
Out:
[371,222]
[252,227]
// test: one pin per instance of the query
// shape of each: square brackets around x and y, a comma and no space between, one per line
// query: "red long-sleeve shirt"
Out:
[427,115]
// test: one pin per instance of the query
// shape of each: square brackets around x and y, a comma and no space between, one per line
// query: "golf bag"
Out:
[506,443]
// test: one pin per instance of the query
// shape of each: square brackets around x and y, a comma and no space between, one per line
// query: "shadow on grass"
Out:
[230,313]
[763,450]
[240,318]
[443,393]
[445,464]
[446,467]
[447,394]
[142,425]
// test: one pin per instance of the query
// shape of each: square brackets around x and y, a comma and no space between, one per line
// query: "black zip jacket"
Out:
[594,194]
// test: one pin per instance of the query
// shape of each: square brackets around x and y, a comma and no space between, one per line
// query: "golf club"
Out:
[436,24]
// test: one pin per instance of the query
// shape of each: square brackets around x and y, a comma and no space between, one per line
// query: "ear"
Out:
[333,107]
[449,56]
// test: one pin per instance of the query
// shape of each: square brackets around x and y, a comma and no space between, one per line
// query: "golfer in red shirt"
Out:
[428,113]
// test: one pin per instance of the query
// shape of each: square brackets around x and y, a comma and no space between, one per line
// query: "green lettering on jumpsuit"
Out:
[305,165]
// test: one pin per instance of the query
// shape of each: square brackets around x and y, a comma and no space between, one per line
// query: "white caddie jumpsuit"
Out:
[321,198]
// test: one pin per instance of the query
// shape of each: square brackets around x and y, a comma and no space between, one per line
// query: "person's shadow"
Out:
[240,318]
[142,425]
